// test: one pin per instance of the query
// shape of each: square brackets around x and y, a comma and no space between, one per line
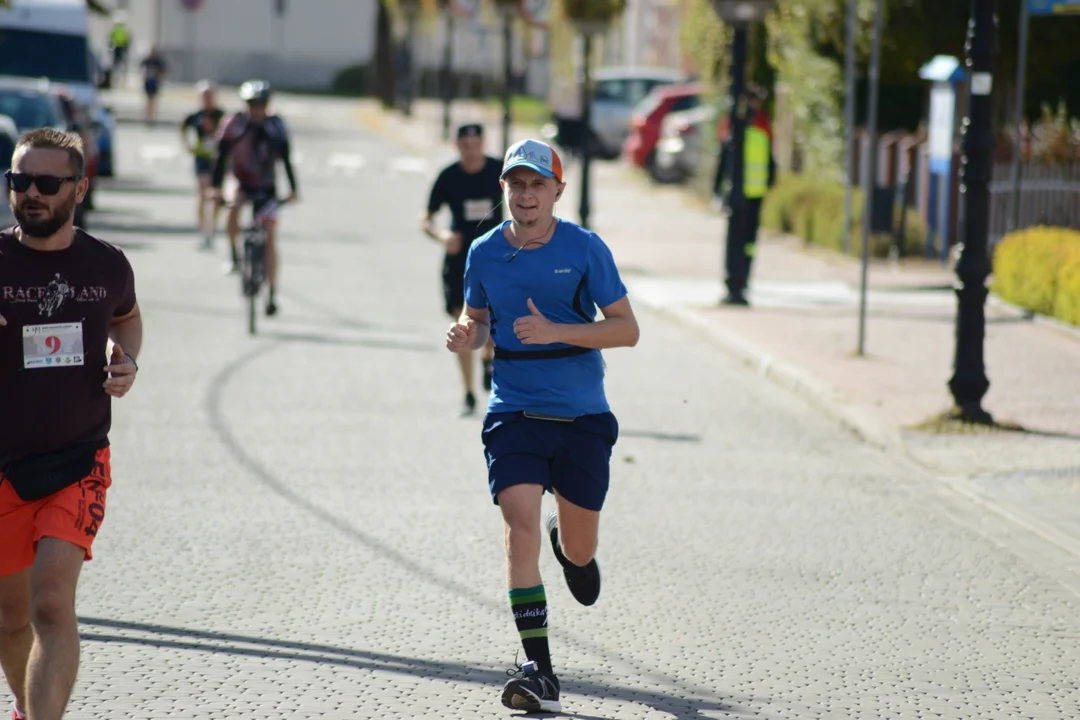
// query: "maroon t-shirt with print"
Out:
[58,306]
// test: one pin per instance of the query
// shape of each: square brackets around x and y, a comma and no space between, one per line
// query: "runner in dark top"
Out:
[154,70]
[470,188]
[202,127]
[64,296]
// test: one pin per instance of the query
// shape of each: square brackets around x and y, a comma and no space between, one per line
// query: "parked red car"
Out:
[645,122]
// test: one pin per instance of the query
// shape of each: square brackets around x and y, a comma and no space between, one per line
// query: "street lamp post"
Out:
[969,383]
[508,71]
[590,18]
[448,73]
[587,31]
[738,14]
[509,10]
[410,8]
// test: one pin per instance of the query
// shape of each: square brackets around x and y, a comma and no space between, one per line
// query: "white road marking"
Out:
[348,163]
[409,165]
[150,154]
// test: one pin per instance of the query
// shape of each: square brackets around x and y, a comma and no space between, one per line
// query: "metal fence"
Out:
[1049,195]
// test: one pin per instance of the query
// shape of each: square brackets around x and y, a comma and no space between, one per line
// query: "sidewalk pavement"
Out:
[802,330]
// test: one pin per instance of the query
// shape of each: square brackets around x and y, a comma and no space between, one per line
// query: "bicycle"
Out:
[253,258]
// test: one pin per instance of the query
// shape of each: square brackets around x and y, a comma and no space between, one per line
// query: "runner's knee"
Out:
[51,604]
[521,512]
[14,612]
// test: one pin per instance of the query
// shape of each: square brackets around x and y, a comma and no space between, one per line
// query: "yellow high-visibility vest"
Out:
[755,163]
[120,36]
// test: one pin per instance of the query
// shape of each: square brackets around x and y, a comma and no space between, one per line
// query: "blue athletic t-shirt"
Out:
[575,262]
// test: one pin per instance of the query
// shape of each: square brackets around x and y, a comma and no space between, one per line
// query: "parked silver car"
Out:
[617,91]
[678,154]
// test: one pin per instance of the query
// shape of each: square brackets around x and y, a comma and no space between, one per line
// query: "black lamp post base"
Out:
[971,413]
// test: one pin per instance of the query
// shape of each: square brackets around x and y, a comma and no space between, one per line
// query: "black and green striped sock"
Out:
[530,615]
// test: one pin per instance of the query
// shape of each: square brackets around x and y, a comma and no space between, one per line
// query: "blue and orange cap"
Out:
[535,155]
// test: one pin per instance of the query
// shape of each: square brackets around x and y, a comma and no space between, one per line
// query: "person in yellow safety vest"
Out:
[119,41]
[759,174]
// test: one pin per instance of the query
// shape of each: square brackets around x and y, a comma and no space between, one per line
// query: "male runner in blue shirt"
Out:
[533,284]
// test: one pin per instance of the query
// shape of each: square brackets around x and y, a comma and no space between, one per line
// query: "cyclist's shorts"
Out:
[263,202]
[73,514]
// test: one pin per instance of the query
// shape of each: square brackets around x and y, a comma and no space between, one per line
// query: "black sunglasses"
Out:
[46,184]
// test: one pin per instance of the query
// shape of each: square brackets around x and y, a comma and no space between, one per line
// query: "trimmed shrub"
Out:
[1039,269]
[813,210]
[352,81]
[1067,304]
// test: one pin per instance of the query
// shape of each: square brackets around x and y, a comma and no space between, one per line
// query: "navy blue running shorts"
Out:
[573,458]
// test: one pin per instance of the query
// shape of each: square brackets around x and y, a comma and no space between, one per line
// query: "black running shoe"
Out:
[531,690]
[271,308]
[469,407]
[488,371]
[583,581]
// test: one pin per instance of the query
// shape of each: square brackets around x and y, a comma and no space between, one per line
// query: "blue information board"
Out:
[1054,7]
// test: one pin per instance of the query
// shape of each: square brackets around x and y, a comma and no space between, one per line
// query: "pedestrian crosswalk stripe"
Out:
[348,163]
[409,165]
[154,153]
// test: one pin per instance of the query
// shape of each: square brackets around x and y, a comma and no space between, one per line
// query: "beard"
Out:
[43,226]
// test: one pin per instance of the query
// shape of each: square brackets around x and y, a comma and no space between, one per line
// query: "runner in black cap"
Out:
[470,187]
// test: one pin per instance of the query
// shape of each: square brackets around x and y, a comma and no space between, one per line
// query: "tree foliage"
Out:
[806,42]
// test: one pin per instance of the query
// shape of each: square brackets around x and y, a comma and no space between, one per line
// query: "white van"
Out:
[47,38]
[50,39]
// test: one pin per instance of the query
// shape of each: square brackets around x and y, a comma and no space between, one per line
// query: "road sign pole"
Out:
[1021,79]
[870,182]
[849,123]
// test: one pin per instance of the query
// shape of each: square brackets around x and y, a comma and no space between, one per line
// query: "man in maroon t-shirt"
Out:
[64,296]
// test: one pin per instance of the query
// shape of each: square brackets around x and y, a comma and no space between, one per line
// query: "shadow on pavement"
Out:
[321,339]
[99,225]
[680,709]
[229,314]
[137,184]
[667,437]
[232,644]
[1049,434]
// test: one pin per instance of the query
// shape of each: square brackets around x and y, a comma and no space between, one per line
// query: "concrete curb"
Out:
[970,489]
[1037,318]
[794,379]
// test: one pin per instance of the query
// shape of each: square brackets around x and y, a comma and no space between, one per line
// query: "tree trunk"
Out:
[385,76]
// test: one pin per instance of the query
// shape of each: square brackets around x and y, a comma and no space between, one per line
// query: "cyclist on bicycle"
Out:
[256,141]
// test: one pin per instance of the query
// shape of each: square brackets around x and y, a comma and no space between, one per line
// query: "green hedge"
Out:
[814,211]
[1039,269]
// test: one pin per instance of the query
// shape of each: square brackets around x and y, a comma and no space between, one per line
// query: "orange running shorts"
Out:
[74,515]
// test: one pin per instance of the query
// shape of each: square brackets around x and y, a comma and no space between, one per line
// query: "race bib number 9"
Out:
[53,345]
[477,210]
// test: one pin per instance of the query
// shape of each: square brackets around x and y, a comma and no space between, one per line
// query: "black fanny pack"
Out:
[540,354]
[37,476]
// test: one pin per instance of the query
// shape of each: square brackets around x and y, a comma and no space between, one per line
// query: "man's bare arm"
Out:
[127,332]
[482,318]
[619,328]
